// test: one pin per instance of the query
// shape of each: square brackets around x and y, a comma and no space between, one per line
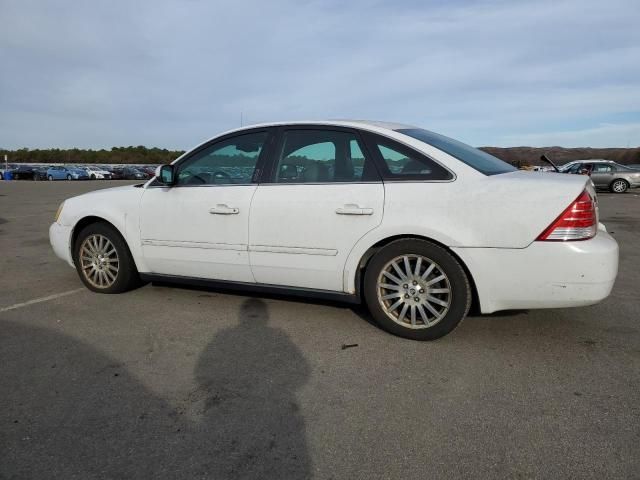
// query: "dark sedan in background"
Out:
[28,172]
[129,173]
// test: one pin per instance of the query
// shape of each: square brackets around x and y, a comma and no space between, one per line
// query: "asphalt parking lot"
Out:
[182,383]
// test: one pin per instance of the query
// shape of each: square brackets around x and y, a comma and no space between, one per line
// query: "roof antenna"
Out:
[241,120]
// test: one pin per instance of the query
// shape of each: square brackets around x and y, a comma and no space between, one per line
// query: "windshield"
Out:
[475,158]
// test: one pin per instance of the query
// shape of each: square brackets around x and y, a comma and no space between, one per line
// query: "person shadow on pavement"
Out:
[70,411]
[251,420]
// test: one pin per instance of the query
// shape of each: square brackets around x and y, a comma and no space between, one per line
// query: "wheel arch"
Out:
[373,249]
[91,219]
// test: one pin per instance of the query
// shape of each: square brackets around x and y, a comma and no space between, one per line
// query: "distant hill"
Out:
[520,156]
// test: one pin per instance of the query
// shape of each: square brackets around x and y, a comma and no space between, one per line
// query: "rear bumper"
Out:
[543,275]
[60,239]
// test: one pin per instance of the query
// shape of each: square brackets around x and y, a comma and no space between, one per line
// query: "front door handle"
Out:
[223,209]
[353,209]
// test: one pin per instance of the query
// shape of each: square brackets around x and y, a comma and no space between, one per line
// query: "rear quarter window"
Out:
[475,158]
[399,162]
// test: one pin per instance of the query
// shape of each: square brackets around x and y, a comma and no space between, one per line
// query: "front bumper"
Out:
[544,274]
[60,239]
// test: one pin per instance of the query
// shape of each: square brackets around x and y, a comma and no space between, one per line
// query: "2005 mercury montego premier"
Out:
[415,224]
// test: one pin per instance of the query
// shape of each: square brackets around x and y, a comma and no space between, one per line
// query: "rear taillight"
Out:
[578,222]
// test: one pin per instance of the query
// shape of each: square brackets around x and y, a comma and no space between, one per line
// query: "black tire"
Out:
[127,277]
[93,177]
[460,288]
[68,177]
[619,185]
[50,178]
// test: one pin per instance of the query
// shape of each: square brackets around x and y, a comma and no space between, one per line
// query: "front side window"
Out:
[403,163]
[228,162]
[319,156]
[575,168]
[475,158]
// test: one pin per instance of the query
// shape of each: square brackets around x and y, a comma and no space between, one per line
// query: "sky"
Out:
[97,74]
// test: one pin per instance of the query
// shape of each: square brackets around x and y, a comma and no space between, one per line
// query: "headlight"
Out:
[58,212]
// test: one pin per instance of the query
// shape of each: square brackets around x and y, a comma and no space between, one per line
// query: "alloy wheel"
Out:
[414,291]
[619,186]
[99,261]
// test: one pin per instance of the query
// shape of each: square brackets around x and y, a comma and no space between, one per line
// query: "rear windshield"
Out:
[481,161]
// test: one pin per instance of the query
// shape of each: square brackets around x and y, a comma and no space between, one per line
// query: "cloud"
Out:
[171,73]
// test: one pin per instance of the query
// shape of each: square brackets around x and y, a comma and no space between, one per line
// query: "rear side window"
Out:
[403,163]
[475,158]
[602,168]
[322,156]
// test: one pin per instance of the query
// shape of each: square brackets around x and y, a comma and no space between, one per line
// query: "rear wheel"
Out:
[93,177]
[619,186]
[103,260]
[416,289]
[50,178]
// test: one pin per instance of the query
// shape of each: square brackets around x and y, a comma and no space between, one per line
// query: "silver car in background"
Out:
[605,174]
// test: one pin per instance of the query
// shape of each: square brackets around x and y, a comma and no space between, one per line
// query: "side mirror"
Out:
[165,175]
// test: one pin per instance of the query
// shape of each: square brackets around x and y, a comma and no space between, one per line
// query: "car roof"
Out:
[593,160]
[365,124]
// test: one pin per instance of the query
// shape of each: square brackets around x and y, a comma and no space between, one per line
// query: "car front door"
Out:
[60,173]
[323,194]
[199,228]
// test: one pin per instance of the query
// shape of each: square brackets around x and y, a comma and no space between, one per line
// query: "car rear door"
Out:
[602,174]
[199,228]
[321,194]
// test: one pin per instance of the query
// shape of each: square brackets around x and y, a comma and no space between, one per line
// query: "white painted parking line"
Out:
[40,300]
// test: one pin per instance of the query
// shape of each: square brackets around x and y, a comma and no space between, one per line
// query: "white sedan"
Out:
[96,173]
[415,224]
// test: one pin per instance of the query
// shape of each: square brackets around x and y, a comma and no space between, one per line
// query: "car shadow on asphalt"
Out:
[71,411]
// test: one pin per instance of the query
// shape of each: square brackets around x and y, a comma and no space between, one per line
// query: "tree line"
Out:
[117,155]
[518,156]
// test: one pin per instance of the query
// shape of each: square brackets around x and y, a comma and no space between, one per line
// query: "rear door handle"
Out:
[223,209]
[353,209]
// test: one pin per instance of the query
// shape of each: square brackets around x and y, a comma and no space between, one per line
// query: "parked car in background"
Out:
[23,172]
[150,170]
[129,173]
[97,173]
[66,173]
[414,224]
[605,174]
[40,173]
[116,172]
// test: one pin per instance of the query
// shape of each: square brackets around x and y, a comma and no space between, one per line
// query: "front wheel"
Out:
[50,178]
[68,177]
[416,289]
[619,186]
[103,260]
